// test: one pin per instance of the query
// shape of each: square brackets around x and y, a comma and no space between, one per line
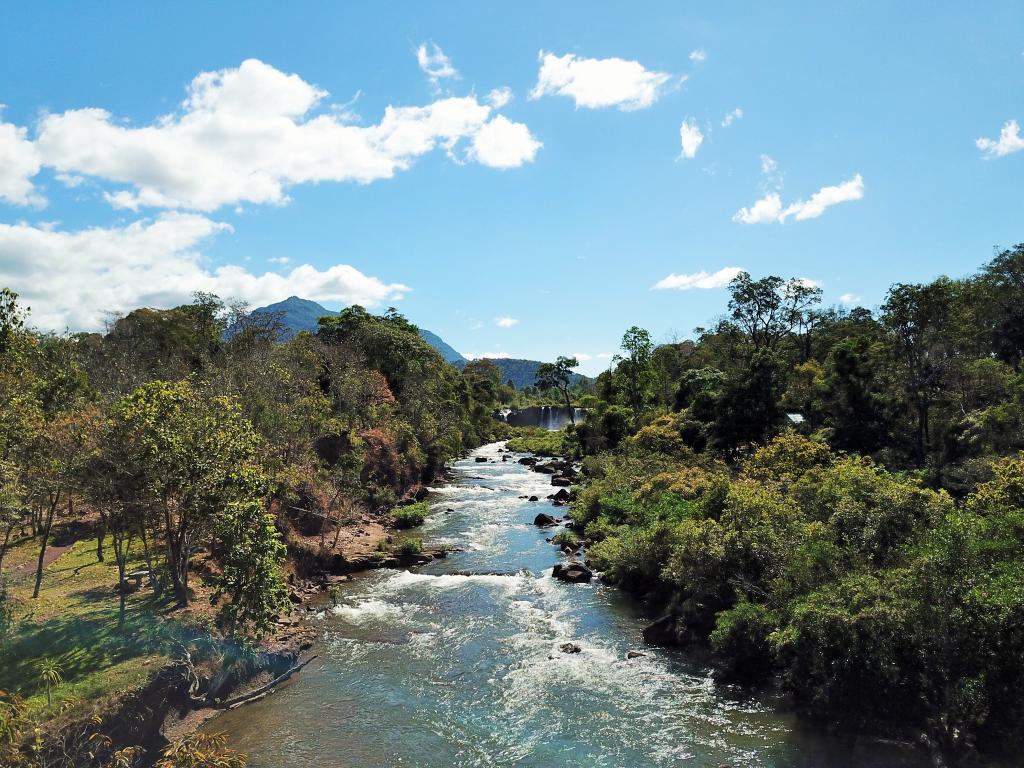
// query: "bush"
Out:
[411,516]
[566,537]
[741,637]
[539,441]
[410,546]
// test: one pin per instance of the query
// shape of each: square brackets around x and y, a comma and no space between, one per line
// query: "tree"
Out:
[635,367]
[558,375]
[770,309]
[197,455]
[919,318]
[51,674]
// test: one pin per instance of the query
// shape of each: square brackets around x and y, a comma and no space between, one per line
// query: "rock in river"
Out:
[573,571]
[544,520]
[569,648]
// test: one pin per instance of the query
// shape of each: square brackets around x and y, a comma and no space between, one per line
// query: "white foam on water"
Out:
[371,608]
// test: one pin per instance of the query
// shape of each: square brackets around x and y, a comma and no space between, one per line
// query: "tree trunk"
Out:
[48,525]
[3,548]
[568,405]
[101,533]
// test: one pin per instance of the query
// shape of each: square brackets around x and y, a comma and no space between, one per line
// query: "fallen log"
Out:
[264,690]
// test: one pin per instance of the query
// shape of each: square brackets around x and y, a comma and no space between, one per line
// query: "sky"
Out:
[523,179]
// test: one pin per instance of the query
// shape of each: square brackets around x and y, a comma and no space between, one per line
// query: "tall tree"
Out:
[558,376]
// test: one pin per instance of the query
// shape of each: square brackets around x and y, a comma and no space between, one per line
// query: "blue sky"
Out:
[147,151]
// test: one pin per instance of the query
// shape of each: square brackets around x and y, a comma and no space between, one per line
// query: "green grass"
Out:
[73,623]
[539,441]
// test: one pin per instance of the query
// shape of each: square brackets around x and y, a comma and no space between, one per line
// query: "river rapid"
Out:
[457,663]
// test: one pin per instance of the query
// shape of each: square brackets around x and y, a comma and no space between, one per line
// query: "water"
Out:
[550,417]
[458,664]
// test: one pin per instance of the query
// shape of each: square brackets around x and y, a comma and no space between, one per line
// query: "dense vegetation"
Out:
[831,499]
[182,451]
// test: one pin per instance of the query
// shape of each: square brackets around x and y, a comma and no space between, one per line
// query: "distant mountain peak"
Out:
[298,314]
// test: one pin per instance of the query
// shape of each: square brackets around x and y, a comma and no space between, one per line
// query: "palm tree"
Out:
[50,672]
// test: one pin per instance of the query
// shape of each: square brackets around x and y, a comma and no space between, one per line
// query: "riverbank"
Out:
[483,658]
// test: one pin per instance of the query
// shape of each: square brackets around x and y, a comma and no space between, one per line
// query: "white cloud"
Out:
[849,299]
[690,137]
[501,143]
[769,208]
[701,279]
[807,282]
[583,357]
[486,355]
[730,117]
[499,97]
[71,278]
[279,260]
[768,165]
[1009,141]
[247,134]
[434,63]
[505,321]
[596,83]
[698,55]
[19,162]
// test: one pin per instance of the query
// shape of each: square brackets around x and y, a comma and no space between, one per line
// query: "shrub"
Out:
[540,441]
[412,515]
[410,546]
[566,537]
[741,637]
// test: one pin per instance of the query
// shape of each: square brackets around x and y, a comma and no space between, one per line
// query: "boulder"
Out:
[562,495]
[635,654]
[547,469]
[534,498]
[528,461]
[481,459]
[559,480]
[569,648]
[544,520]
[574,572]
[662,632]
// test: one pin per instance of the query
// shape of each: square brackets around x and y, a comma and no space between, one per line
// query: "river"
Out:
[457,663]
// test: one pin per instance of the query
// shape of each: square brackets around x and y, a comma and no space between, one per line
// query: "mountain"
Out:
[302,314]
[297,314]
[522,373]
[447,351]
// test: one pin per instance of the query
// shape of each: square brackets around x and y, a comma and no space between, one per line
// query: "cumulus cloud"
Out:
[731,117]
[71,278]
[690,137]
[849,299]
[19,162]
[597,83]
[247,134]
[505,321]
[501,143]
[434,63]
[499,97]
[701,279]
[770,209]
[698,55]
[1009,141]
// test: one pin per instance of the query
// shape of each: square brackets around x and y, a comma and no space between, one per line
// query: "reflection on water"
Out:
[458,664]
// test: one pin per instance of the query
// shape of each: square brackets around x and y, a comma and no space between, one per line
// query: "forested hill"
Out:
[297,314]
[522,373]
